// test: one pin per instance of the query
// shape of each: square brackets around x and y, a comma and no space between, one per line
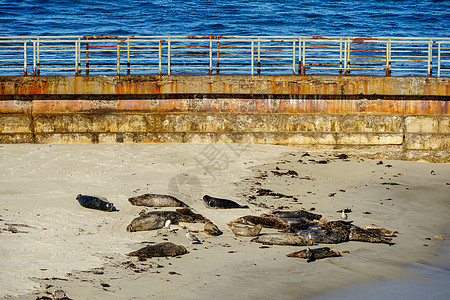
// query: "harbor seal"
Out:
[94,203]
[296,214]
[363,235]
[147,222]
[283,239]
[211,228]
[245,230]
[313,254]
[212,202]
[156,200]
[159,250]
[269,222]
[197,218]
[379,230]
[355,233]
[297,223]
[174,216]
[322,236]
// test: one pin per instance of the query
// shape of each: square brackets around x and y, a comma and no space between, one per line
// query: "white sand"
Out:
[63,245]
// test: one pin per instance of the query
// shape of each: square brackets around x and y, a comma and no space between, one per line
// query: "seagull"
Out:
[344,215]
[192,237]
[167,225]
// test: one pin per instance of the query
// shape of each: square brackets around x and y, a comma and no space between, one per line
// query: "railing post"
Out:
[340,56]
[38,71]
[160,59]
[304,58]
[76,58]
[218,56]
[25,59]
[118,57]
[168,57]
[87,57]
[430,58]
[299,57]
[259,57]
[34,59]
[252,58]
[210,57]
[293,58]
[388,58]
[128,57]
[79,56]
[346,57]
[439,60]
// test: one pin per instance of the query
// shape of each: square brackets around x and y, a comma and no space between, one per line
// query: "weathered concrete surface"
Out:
[408,116]
[225,84]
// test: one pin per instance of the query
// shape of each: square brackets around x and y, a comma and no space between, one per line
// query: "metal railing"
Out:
[252,55]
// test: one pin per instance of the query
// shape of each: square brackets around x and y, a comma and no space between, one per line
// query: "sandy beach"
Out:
[49,242]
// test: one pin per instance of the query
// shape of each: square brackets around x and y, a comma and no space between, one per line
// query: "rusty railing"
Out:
[252,55]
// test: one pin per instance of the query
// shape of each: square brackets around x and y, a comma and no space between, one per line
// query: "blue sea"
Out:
[371,18]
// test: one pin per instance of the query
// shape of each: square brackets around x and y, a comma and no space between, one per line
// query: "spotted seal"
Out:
[156,200]
[313,254]
[269,222]
[94,203]
[198,218]
[379,230]
[296,214]
[159,250]
[212,202]
[245,230]
[291,239]
[174,216]
[355,233]
[322,236]
[211,228]
[147,222]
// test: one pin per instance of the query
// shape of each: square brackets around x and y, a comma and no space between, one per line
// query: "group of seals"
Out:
[298,228]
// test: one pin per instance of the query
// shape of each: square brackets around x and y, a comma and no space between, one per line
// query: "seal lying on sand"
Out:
[174,216]
[211,228]
[283,239]
[379,230]
[297,223]
[355,233]
[159,250]
[148,222]
[296,214]
[94,203]
[156,200]
[245,230]
[322,236]
[269,222]
[198,218]
[363,235]
[213,202]
[313,254]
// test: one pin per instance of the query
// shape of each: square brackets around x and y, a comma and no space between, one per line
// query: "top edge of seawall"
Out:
[224,84]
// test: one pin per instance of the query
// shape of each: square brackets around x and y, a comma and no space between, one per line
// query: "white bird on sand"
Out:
[167,225]
[192,237]
[344,215]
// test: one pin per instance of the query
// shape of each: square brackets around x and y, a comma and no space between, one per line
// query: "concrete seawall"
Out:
[407,117]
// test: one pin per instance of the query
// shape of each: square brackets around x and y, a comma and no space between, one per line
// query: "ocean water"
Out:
[397,18]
